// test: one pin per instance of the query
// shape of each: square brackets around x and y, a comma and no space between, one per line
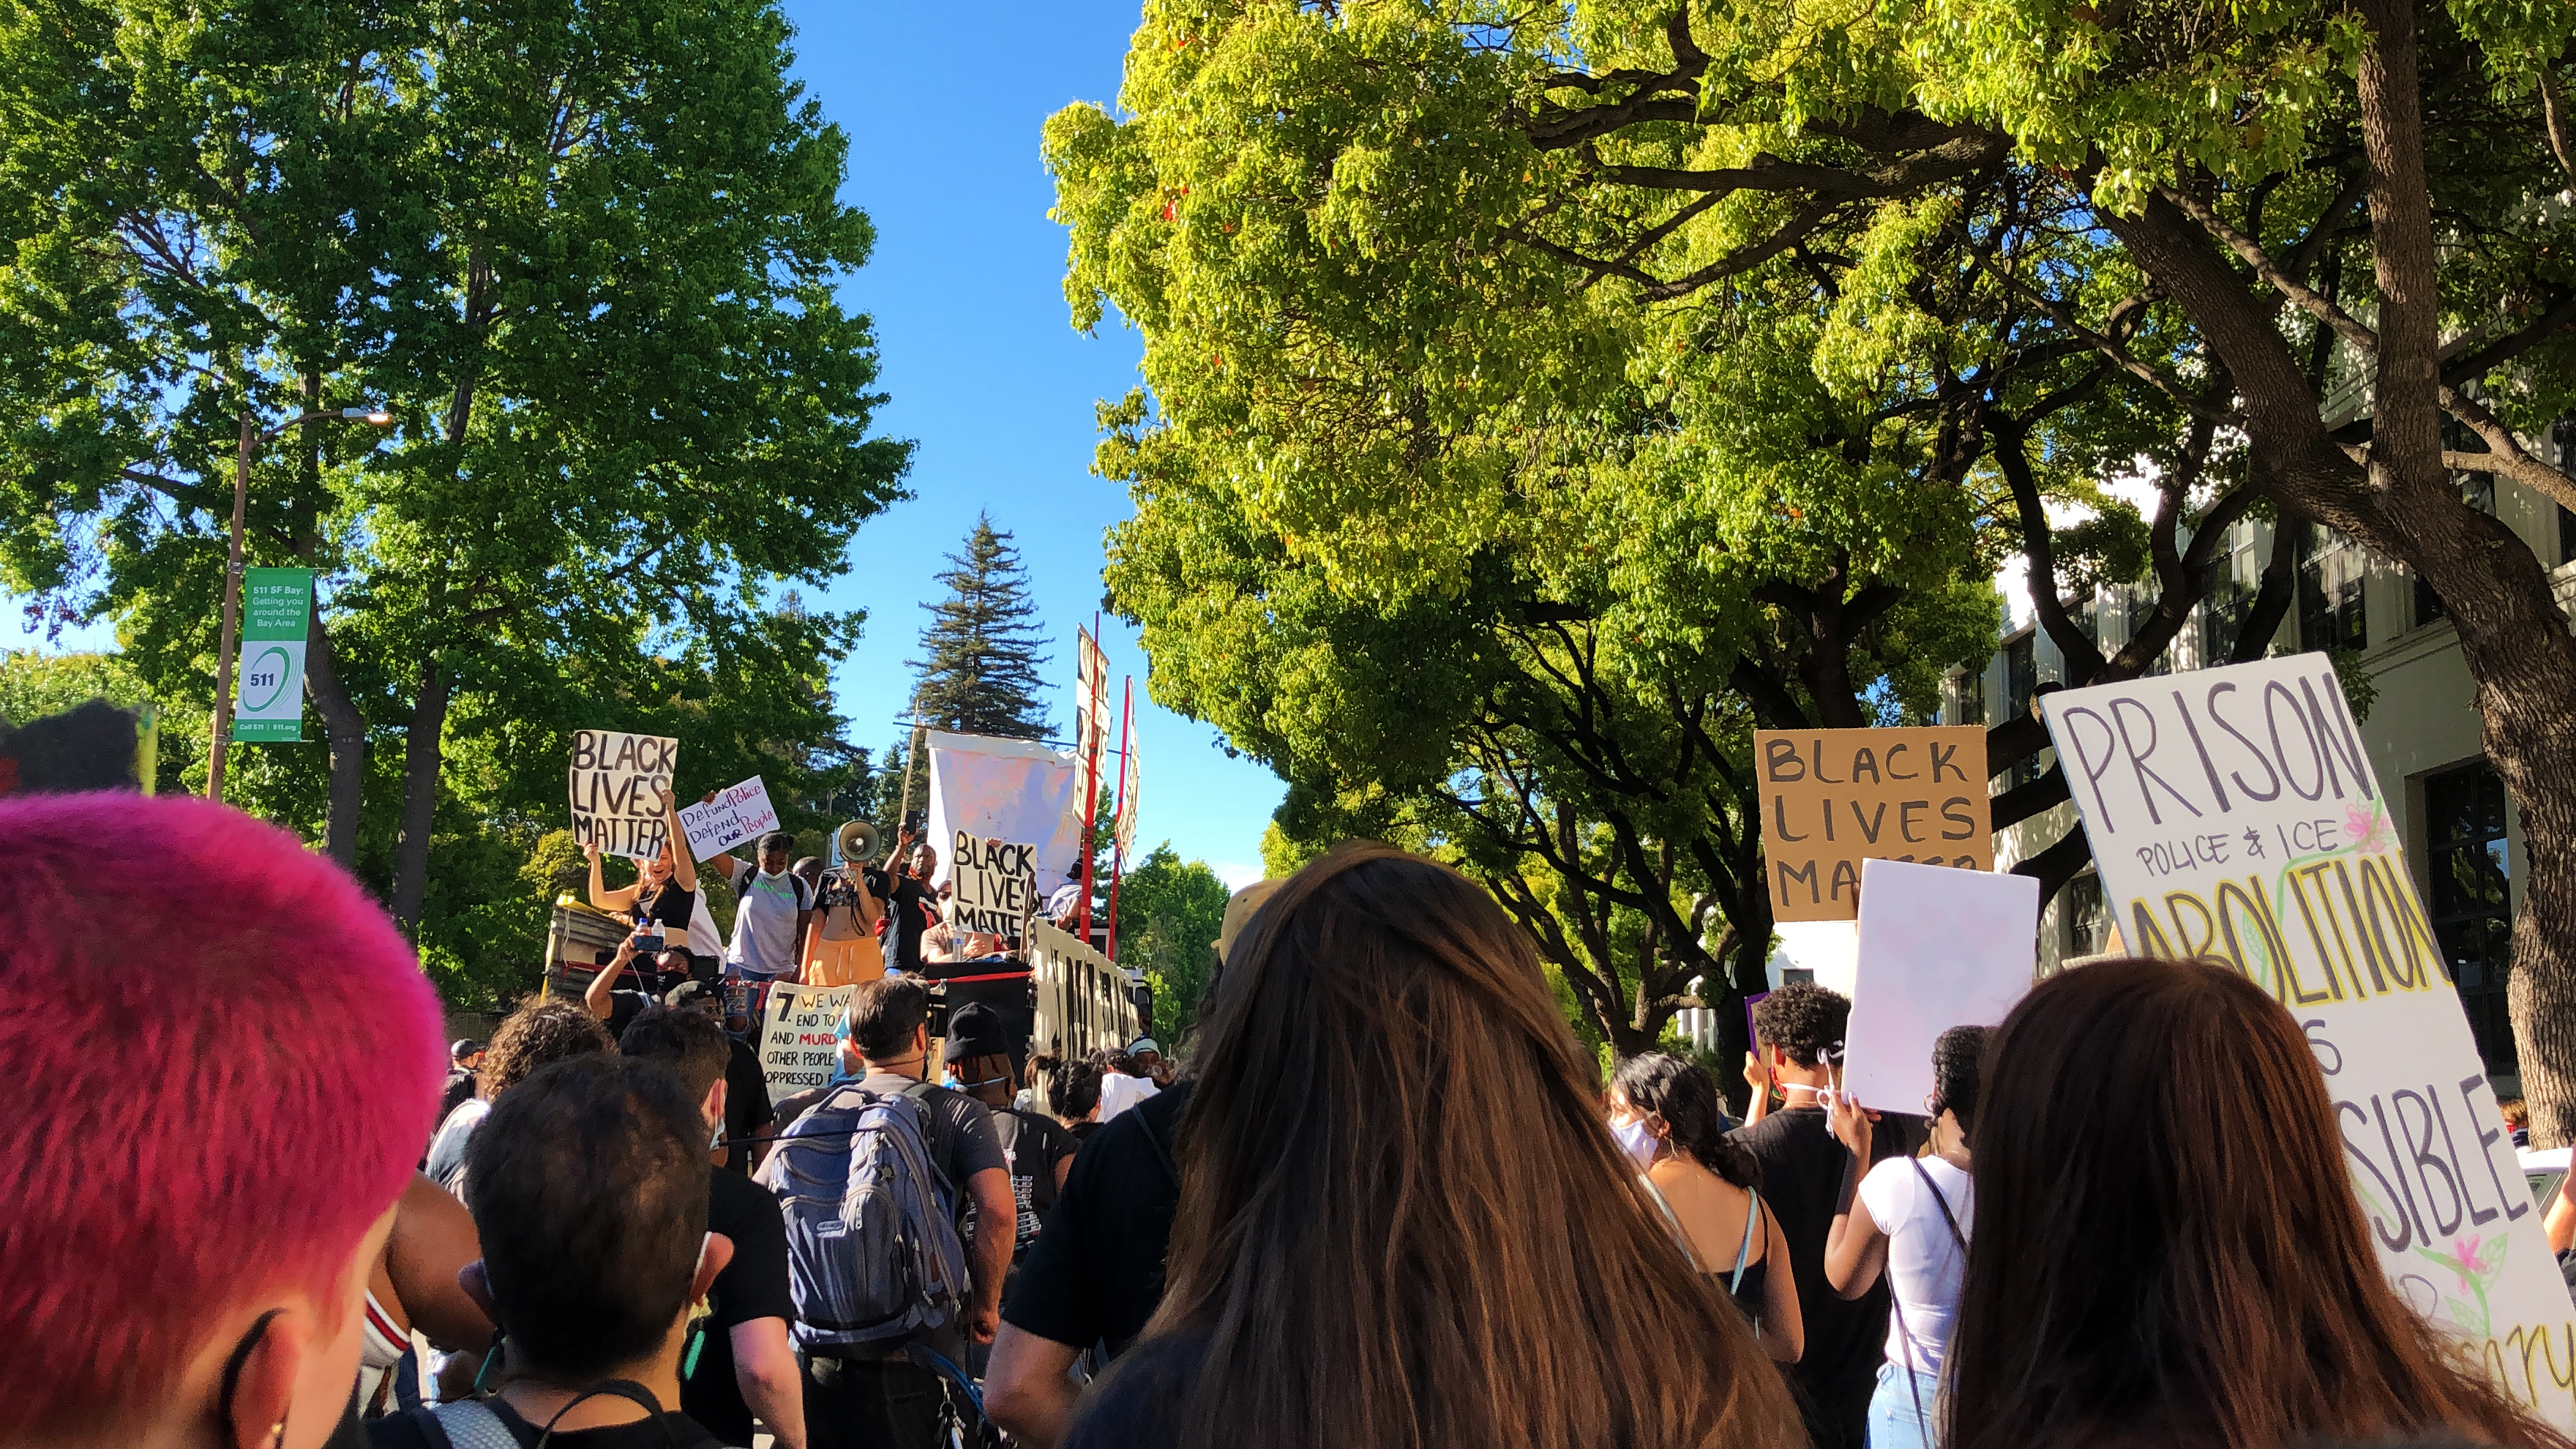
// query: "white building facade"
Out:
[2422,731]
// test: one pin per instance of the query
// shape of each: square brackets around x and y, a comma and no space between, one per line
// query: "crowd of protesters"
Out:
[1384,1196]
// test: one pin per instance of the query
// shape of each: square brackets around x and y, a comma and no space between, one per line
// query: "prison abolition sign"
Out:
[993,886]
[617,785]
[2234,817]
[1834,798]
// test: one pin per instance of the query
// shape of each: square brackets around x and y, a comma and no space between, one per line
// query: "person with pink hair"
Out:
[239,1059]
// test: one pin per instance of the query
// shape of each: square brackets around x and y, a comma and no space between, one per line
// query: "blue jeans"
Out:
[1892,1422]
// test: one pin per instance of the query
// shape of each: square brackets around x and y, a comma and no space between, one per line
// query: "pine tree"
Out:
[981,673]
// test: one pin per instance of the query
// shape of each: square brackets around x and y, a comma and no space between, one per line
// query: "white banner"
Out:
[2235,817]
[996,789]
[800,1042]
[738,813]
[617,785]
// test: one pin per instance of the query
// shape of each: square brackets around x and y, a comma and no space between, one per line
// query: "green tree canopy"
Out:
[1169,913]
[584,254]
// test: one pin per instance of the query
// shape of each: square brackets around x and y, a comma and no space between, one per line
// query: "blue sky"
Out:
[942,105]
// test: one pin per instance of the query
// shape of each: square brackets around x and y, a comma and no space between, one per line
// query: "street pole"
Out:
[232,617]
[222,732]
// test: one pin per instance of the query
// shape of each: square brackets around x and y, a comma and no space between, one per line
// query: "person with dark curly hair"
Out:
[1907,1221]
[1666,1115]
[1798,1041]
[528,1038]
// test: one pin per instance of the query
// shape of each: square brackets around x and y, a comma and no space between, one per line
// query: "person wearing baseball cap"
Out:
[1041,1151]
[464,1059]
[747,1113]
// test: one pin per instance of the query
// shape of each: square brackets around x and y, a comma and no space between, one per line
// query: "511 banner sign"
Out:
[277,606]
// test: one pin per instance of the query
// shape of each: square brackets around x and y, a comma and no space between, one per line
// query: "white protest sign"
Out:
[617,785]
[2235,817]
[999,789]
[993,886]
[800,1042]
[1939,947]
[738,813]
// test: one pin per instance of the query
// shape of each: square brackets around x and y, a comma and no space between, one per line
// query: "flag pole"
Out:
[1090,760]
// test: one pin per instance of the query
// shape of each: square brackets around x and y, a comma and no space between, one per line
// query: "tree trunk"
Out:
[346,730]
[420,794]
[2512,635]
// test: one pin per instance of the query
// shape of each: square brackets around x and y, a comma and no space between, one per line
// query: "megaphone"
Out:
[858,842]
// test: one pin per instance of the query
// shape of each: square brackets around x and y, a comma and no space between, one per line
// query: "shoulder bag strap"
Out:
[1744,1250]
[1947,1216]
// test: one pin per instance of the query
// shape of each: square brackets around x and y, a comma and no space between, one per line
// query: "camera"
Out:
[913,820]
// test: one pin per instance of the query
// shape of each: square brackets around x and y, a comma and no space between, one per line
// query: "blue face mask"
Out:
[1634,1140]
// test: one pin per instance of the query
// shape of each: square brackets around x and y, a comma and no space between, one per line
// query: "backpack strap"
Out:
[465,1424]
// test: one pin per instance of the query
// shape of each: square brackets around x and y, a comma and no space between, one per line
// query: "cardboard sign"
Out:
[1938,949]
[276,605]
[2234,817]
[738,813]
[800,1042]
[1834,798]
[617,785]
[995,886]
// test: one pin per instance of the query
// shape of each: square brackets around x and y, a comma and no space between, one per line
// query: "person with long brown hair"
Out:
[2168,1250]
[1402,1218]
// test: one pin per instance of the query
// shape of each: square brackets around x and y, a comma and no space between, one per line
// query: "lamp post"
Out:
[251,442]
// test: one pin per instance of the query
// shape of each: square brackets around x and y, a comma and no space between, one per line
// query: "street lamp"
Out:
[251,441]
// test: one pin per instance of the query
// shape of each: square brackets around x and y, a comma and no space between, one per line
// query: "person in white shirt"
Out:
[1912,1222]
[772,907]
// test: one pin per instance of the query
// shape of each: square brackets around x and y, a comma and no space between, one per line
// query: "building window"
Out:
[1971,693]
[2021,682]
[2472,903]
[2331,615]
[2084,916]
[2563,433]
[2223,603]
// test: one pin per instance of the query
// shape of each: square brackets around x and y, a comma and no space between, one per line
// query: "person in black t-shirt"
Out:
[904,886]
[590,1184]
[745,1366]
[1040,1151]
[1798,1034]
[1095,1275]
[463,1057]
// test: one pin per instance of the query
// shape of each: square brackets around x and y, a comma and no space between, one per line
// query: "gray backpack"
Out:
[873,1255]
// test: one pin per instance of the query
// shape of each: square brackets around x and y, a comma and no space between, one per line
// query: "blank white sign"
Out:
[1939,947]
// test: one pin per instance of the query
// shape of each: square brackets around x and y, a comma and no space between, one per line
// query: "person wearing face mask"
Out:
[1665,1114]
[773,906]
[187,1254]
[1911,1221]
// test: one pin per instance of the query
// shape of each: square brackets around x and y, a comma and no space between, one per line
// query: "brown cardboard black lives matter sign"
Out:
[1834,798]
